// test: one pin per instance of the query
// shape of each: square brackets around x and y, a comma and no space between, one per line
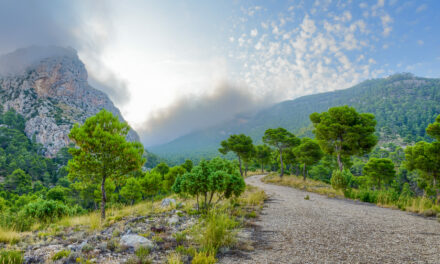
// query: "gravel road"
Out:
[325,230]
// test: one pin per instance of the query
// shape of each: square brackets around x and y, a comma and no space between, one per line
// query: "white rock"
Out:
[135,241]
[173,220]
[167,202]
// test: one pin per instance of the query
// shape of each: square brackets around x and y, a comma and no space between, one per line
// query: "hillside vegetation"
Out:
[403,105]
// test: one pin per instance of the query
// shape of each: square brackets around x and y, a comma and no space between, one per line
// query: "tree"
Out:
[379,171]
[217,176]
[281,139]
[163,169]
[18,182]
[132,190]
[433,129]
[171,176]
[103,152]
[425,158]
[343,132]
[187,165]
[241,145]
[262,155]
[308,153]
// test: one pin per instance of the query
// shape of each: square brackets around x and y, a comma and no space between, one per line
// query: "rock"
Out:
[167,202]
[52,93]
[135,241]
[173,220]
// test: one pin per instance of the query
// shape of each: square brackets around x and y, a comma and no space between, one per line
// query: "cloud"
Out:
[83,25]
[420,42]
[191,113]
[421,8]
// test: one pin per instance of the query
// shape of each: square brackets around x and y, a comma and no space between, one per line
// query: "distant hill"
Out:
[403,105]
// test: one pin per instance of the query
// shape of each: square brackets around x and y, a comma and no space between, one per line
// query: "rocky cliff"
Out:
[48,86]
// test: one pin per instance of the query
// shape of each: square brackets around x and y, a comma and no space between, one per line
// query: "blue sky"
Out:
[173,67]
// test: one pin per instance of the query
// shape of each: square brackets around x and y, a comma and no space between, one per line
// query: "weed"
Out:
[11,257]
[204,257]
[61,254]
[174,258]
[9,236]
[307,197]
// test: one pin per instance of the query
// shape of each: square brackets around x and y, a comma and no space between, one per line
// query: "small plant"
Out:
[157,238]
[112,244]
[252,214]
[61,254]
[180,237]
[307,197]
[142,253]
[87,248]
[174,258]
[204,257]
[11,257]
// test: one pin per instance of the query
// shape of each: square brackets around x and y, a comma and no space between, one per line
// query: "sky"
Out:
[173,67]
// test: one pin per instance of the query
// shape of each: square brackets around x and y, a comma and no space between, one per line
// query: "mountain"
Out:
[48,86]
[402,103]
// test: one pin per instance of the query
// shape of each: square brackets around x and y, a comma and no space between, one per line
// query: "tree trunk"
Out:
[262,168]
[104,198]
[245,169]
[239,161]
[340,162]
[304,172]
[281,161]
[297,170]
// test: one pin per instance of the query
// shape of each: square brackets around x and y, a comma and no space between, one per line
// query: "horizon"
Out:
[175,68]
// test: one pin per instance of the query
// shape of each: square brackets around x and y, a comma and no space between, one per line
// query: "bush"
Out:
[61,254]
[45,211]
[11,257]
[368,196]
[341,179]
[216,230]
[204,257]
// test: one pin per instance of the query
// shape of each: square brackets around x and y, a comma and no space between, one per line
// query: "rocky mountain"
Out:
[48,86]
[403,105]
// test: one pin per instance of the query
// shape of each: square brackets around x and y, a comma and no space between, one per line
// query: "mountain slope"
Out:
[403,104]
[48,86]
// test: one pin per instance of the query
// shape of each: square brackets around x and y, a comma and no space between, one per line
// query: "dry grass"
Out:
[307,185]
[9,236]
[252,196]
[253,173]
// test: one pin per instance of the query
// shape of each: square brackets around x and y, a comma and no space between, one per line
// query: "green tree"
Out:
[132,190]
[379,171]
[241,145]
[163,169]
[425,158]
[171,176]
[151,183]
[433,130]
[18,182]
[103,151]
[217,176]
[262,155]
[187,165]
[308,153]
[343,132]
[281,139]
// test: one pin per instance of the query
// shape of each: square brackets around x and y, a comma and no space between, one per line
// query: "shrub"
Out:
[217,176]
[204,257]
[61,254]
[341,179]
[216,230]
[11,257]
[368,196]
[45,211]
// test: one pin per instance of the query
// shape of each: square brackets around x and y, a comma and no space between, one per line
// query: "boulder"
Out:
[167,202]
[135,241]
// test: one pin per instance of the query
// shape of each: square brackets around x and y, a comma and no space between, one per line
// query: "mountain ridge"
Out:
[49,87]
[420,96]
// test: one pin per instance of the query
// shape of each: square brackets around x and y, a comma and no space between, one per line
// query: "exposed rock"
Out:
[173,220]
[135,241]
[167,202]
[51,91]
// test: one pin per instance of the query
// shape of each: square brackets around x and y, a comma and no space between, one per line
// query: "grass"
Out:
[174,258]
[307,185]
[252,196]
[419,205]
[11,257]
[9,236]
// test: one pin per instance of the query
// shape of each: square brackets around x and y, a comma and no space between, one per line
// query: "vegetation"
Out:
[241,145]
[103,152]
[281,139]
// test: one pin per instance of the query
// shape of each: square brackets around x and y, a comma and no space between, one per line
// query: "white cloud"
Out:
[386,21]
[420,42]
[421,8]
[363,5]
[254,32]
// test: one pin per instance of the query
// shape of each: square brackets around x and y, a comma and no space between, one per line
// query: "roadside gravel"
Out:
[326,230]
